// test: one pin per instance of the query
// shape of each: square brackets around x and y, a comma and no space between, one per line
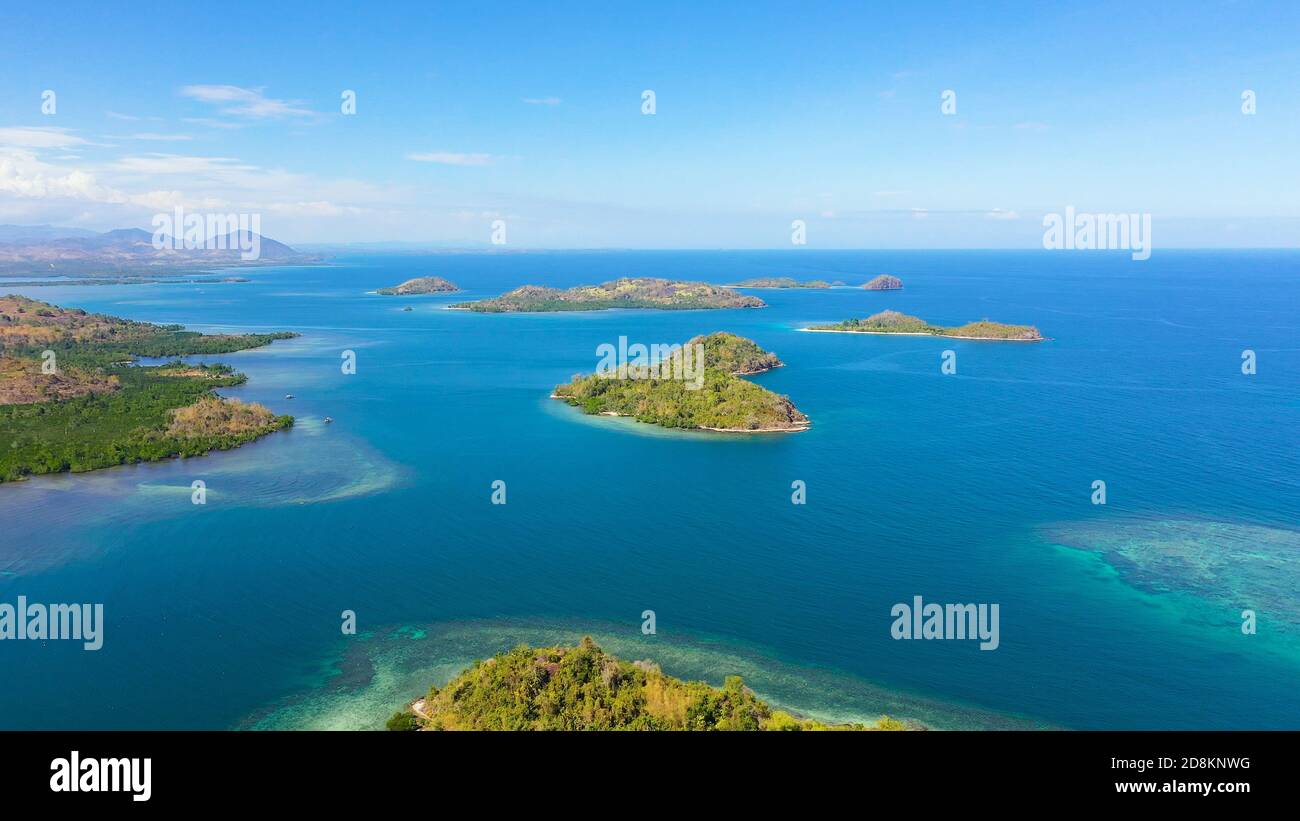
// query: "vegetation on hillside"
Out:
[893,322]
[720,400]
[96,409]
[584,688]
[884,282]
[734,354]
[779,282]
[420,285]
[22,382]
[639,292]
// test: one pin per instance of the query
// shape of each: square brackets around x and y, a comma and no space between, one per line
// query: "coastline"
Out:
[367,679]
[914,333]
[797,429]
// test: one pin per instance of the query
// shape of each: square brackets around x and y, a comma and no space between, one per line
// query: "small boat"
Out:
[328,420]
[288,396]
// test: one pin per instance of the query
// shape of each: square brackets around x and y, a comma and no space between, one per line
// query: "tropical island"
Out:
[681,391]
[72,399]
[585,688]
[779,282]
[893,322]
[420,285]
[628,292]
[884,282]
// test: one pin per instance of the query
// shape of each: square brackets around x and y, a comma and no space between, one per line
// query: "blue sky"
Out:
[765,113]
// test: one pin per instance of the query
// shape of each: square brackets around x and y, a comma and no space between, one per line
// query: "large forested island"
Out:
[629,292]
[779,282]
[893,322]
[420,285]
[584,688]
[71,398]
[679,392]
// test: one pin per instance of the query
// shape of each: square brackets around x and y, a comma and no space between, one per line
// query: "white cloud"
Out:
[543,100]
[451,158]
[24,175]
[246,102]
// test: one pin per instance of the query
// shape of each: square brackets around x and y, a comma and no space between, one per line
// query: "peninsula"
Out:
[629,292]
[585,688]
[884,282]
[420,285]
[893,322]
[779,282]
[71,398]
[695,386]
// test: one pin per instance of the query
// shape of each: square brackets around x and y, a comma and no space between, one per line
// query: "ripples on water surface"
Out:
[966,488]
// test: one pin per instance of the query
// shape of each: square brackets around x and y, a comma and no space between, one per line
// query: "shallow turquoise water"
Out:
[965,488]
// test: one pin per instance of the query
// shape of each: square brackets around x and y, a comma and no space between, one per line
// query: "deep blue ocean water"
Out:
[974,487]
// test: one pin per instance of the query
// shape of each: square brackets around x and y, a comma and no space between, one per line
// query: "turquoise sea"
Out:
[973,487]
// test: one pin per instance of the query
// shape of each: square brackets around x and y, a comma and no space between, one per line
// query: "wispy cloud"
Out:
[1032,126]
[150,136]
[209,122]
[39,137]
[451,158]
[177,164]
[543,100]
[246,102]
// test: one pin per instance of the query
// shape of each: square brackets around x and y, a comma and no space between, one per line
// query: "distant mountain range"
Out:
[46,249]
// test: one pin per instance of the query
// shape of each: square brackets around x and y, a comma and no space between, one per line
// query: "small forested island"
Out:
[71,398]
[420,285]
[893,322]
[884,282]
[585,688]
[680,391]
[629,292]
[779,282]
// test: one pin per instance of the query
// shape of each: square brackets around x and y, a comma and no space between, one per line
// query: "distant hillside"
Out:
[44,249]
